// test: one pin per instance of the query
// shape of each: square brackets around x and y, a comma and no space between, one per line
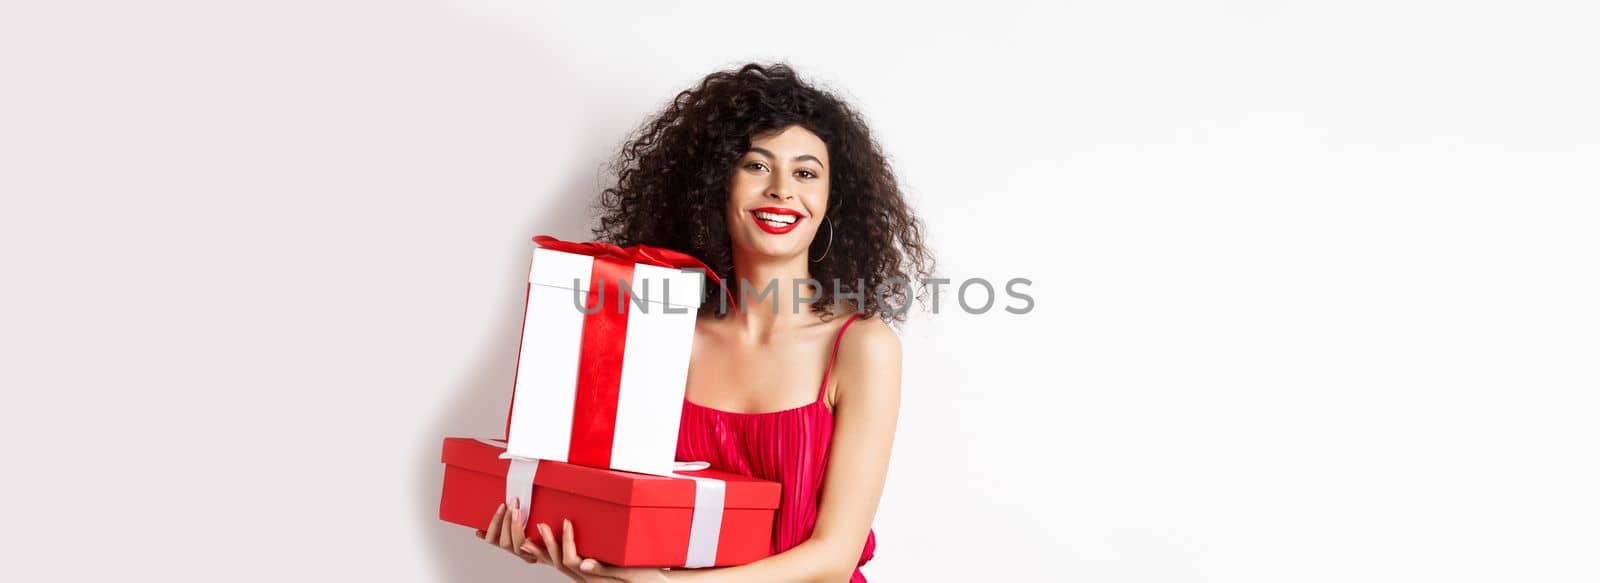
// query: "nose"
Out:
[779,190]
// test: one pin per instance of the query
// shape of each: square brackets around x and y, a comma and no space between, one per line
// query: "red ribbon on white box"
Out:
[710,498]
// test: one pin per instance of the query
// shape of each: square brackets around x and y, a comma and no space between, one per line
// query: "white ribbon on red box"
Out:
[705,529]
[710,498]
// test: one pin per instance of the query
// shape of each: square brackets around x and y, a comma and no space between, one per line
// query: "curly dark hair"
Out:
[672,187]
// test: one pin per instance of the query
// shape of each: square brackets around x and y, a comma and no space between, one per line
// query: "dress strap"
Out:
[822,393]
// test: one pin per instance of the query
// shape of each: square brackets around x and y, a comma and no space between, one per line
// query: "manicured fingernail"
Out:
[588,565]
[567,524]
[516,516]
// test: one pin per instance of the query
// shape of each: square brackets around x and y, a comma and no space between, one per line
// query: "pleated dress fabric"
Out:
[789,447]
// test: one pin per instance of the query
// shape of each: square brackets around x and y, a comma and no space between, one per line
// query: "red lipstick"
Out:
[776,215]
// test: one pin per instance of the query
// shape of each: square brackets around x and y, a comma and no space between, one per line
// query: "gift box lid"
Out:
[619,487]
[672,286]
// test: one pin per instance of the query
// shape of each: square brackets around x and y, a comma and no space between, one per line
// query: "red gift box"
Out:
[620,518]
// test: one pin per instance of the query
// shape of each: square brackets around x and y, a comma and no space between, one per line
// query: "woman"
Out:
[778,186]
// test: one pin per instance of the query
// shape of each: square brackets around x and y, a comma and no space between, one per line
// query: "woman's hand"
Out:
[565,554]
[506,532]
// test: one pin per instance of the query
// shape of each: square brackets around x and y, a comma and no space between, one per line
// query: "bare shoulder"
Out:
[870,341]
[868,365]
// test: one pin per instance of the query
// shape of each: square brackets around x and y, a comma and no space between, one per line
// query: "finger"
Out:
[493,532]
[604,572]
[506,526]
[527,557]
[519,536]
[569,551]
[544,556]
[598,571]
[592,567]
[552,551]
[519,524]
[535,552]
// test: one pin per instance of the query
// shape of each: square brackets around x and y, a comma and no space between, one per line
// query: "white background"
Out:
[1316,285]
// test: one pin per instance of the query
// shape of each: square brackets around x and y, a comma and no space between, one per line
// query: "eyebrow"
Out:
[769,154]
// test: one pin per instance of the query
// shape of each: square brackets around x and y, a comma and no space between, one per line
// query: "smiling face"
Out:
[778,193]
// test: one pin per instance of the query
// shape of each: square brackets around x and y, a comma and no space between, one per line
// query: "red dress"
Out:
[789,447]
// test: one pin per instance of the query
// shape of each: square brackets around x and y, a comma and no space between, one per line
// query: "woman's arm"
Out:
[867,408]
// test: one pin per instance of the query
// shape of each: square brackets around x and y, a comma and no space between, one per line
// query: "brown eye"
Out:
[806,174]
[755,166]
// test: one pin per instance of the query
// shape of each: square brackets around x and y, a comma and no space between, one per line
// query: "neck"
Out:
[766,294]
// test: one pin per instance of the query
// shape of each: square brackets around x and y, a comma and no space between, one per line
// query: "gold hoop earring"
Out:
[830,240]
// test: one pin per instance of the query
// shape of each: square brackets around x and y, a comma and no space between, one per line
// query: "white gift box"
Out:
[604,389]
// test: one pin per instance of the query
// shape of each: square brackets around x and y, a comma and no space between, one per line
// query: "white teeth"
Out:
[777,218]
